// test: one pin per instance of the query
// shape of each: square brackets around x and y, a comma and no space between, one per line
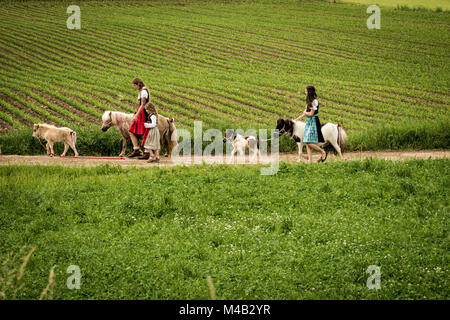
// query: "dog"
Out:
[334,136]
[122,122]
[53,134]
[240,142]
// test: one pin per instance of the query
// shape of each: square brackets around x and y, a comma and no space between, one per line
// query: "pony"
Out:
[53,134]
[334,136]
[122,122]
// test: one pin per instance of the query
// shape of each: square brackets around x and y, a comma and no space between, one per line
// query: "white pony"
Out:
[122,122]
[334,136]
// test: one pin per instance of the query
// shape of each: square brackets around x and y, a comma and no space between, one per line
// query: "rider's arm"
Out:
[152,124]
[301,116]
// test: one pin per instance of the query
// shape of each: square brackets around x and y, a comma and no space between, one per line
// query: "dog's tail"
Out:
[74,137]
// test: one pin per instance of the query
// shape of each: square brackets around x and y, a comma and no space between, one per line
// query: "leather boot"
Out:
[135,153]
[146,156]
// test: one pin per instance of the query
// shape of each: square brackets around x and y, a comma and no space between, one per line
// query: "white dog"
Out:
[53,134]
[240,142]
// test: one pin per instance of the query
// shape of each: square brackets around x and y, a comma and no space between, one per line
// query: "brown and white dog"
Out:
[240,142]
[53,134]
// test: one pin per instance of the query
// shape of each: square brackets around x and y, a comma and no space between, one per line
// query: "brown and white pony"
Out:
[122,122]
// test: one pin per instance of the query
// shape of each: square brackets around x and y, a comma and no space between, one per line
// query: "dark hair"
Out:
[310,96]
[138,82]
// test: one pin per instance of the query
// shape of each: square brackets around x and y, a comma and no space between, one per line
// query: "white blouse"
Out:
[143,94]
[314,104]
[152,124]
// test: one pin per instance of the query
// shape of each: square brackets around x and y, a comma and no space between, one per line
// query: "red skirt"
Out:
[137,127]
[145,136]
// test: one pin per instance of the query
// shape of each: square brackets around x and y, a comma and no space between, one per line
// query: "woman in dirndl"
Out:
[137,128]
[313,130]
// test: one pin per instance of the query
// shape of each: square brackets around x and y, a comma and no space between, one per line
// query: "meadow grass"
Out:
[308,232]
[93,142]
[405,4]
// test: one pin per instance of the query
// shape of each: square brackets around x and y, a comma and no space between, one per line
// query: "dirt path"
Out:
[286,157]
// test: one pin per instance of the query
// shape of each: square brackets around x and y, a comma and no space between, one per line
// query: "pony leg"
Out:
[74,148]
[166,143]
[300,150]
[338,149]
[66,147]
[51,148]
[48,149]
[124,147]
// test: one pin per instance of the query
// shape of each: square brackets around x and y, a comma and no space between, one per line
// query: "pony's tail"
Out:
[342,138]
[74,138]
[173,136]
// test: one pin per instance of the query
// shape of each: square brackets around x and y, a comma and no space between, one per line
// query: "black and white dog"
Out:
[333,135]
[240,142]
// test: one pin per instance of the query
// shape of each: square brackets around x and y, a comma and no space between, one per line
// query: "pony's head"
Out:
[36,132]
[283,127]
[106,121]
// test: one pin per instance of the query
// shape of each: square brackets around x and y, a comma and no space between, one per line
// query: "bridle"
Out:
[283,131]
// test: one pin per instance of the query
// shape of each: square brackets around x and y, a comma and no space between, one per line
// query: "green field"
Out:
[309,232]
[235,64]
[411,4]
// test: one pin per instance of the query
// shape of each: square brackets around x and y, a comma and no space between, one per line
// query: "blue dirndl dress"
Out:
[313,129]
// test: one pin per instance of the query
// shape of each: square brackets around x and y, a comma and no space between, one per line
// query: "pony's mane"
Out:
[47,125]
[106,114]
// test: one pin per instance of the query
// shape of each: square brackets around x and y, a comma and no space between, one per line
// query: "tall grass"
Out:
[94,142]
[90,141]
[428,135]
[309,232]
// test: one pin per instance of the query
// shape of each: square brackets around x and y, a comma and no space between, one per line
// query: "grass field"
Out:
[309,232]
[404,4]
[231,65]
